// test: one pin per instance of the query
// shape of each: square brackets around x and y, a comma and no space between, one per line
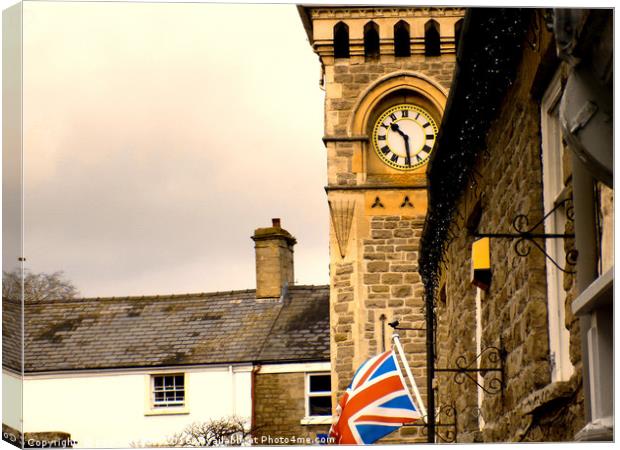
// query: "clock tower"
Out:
[386,72]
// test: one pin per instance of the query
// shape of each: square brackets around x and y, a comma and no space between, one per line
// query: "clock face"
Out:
[404,136]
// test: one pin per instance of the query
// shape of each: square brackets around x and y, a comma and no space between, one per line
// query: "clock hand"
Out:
[396,128]
[408,158]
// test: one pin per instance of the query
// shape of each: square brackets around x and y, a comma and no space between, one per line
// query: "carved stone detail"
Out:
[342,217]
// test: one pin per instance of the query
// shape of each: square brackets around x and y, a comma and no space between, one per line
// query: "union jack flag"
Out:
[376,403]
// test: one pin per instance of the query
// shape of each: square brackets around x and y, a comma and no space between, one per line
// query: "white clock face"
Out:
[404,136]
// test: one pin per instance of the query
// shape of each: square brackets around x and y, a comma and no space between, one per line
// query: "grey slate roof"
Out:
[229,327]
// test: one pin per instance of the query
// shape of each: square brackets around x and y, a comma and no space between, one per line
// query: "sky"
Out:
[157,137]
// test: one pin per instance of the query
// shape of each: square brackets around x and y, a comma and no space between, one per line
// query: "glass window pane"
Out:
[320,406]
[320,383]
[168,390]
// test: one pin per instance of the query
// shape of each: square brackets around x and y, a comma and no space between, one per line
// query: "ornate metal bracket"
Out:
[464,370]
[525,235]
[445,430]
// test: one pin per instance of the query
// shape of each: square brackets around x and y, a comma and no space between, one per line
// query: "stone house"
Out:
[517,250]
[109,372]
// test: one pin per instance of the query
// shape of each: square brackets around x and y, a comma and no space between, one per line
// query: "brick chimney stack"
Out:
[274,260]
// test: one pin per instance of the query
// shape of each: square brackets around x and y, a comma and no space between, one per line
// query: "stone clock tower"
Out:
[386,73]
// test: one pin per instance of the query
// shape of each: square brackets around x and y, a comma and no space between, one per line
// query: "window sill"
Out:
[317,420]
[597,430]
[598,295]
[167,412]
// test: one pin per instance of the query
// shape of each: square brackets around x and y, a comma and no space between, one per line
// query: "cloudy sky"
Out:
[157,137]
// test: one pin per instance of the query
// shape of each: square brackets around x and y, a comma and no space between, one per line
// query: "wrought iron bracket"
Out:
[395,326]
[465,370]
[525,235]
[444,431]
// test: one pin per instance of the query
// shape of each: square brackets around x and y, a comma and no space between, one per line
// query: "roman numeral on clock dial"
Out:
[410,132]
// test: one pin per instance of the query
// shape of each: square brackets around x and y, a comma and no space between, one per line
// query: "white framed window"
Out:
[553,195]
[168,391]
[318,395]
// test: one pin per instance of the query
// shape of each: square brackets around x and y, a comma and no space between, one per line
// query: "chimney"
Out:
[274,260]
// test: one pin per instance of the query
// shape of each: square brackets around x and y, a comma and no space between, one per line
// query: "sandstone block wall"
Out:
[279,407]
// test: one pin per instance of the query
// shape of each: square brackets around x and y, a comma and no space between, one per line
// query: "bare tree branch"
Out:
[37,287]
[230,431]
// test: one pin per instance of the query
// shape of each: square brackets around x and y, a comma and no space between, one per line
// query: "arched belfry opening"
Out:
[341,40]
[457,34]
[371,40]
[432,40]
[402,39]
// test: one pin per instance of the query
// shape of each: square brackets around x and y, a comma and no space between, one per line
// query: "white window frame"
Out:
[177,408]
[308,419]
[553,193]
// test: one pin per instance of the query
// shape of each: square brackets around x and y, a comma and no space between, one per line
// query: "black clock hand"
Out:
[396,128]
[408,158]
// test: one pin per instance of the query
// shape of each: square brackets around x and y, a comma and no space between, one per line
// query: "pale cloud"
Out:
[158,136]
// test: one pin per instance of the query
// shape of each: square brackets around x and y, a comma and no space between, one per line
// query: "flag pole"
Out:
[401,354]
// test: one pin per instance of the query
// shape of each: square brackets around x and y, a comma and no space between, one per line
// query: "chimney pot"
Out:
[275,223]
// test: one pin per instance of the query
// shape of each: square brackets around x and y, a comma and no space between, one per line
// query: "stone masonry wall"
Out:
[342,320]
[514,310]
[394,288]
[279,407]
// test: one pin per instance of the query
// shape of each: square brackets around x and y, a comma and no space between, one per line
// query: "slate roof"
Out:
[211,328]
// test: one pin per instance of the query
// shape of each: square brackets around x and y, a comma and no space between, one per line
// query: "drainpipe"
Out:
[233,395]
[255,370]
